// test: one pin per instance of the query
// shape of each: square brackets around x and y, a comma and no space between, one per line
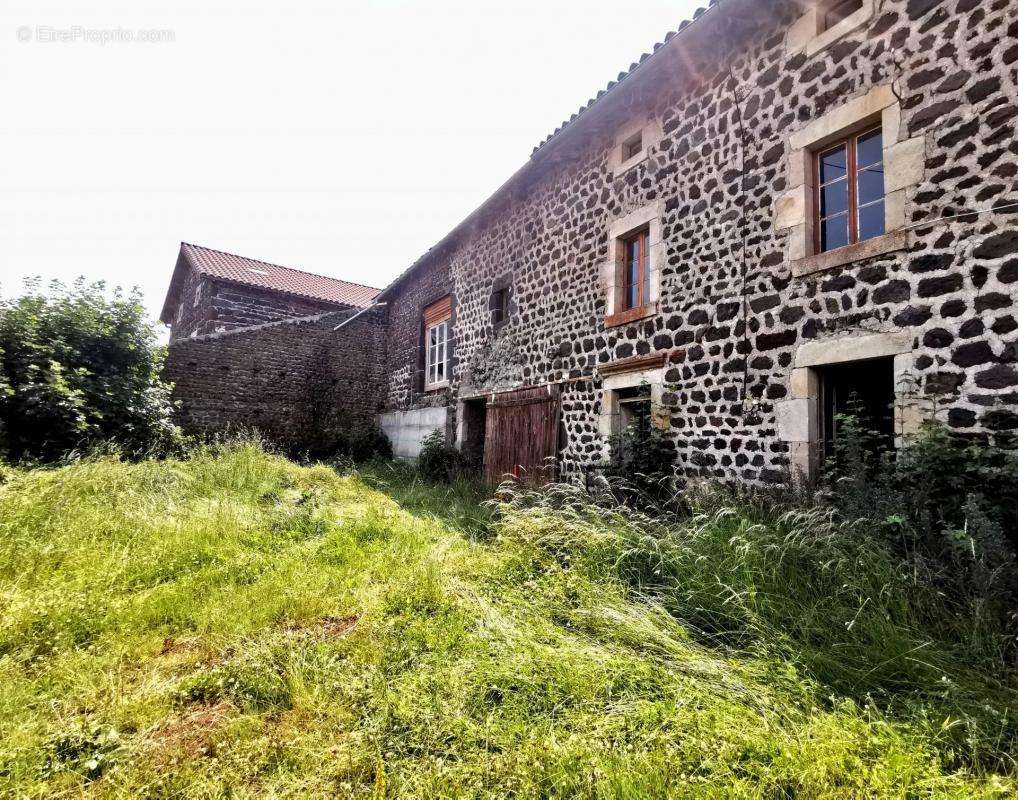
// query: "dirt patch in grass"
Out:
[328,627]
[337,626]
[190,734]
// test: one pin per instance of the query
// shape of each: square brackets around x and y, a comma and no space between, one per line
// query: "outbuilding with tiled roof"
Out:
[212,291]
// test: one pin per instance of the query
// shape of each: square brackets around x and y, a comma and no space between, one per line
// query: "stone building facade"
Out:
[745,317]
[668,243]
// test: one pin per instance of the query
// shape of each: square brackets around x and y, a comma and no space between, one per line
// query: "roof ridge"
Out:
[279,266]
[622,76]
[669,37]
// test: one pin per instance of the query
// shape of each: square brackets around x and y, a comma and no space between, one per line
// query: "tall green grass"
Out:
[235,625]
[829,597]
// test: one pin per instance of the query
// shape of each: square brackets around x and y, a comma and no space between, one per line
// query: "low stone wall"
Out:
[299,382]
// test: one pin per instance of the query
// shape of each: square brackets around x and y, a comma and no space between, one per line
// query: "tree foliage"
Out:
[79,366]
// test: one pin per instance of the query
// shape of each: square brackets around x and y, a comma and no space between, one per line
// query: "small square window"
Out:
[635,419]
[632,147]
[834,11]
[634,408]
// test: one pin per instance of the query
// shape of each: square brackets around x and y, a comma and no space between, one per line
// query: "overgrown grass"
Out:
[233,625]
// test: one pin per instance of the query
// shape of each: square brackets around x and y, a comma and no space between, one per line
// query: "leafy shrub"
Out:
[641,467]
[946,503]
[78,368]
[439,461]
[369,443]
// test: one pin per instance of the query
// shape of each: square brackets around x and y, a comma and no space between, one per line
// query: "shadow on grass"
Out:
[460,504]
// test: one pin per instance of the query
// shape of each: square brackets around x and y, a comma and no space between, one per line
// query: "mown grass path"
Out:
[235,625]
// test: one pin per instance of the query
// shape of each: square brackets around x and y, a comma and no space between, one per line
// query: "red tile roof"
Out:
[252,272]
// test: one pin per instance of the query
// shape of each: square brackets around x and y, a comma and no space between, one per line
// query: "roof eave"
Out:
[570,128]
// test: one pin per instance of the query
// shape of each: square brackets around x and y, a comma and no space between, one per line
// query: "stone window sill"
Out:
[630,315]
[806,36]
[436,387]
[843,256]
[625,166]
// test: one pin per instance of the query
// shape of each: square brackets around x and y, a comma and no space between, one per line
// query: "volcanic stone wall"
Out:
[208,306]
[731,313]
[299,382]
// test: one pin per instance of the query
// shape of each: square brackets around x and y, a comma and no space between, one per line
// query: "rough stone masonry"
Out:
[708,146]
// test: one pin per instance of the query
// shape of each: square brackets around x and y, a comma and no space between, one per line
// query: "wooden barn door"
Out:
[521,435]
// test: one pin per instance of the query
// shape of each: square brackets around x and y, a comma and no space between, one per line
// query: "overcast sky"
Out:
[340,138]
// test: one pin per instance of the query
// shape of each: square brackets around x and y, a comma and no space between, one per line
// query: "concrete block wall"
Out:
[407,430]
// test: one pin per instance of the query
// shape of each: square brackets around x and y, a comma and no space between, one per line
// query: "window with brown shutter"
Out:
[437,342]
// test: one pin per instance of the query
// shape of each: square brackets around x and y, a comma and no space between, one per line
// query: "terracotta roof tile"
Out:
[252,272]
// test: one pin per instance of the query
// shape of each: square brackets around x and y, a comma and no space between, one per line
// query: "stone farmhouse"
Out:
[785,203]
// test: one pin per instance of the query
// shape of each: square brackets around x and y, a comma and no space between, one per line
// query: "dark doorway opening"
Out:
[634,424]
[864,389]
[475,420]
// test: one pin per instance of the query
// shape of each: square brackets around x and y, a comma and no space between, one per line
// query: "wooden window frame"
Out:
[632,147]
[851,145]
[642,239]
[435,316]
[440,346]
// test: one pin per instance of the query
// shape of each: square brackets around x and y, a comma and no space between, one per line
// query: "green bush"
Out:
[368,444]
[640,470]
[77,368]
[438,461]
[947,504]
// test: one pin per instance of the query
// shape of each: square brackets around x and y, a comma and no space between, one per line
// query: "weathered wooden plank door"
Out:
[521,435]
